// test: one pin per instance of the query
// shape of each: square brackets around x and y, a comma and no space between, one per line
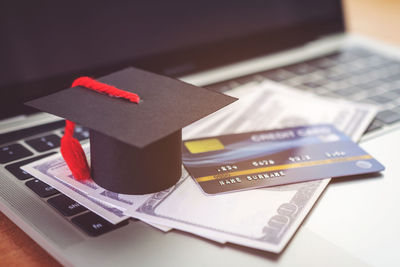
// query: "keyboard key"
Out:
[314,84]
[322,63]
[375,125]
[344,56]
[388,116]
[278,75]
[44,143]
[377,61]
[13,152]
[359,52]
[20,174]
[80,133]
[356,80]
[40,188]
[379,99]
[348,91]
[372,84]
[340,77]
[31,131]
[94,225]
[396,109]
[392,78]
[219,87]
[301,69]
[65,205]
[396,91]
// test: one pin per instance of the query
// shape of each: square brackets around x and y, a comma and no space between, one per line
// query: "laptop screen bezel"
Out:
[184,61]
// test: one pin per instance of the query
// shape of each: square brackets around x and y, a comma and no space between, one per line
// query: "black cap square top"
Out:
[166,106]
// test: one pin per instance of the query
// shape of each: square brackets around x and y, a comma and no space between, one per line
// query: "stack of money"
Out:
[263,218]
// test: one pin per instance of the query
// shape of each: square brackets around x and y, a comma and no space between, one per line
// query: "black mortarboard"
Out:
[135,148]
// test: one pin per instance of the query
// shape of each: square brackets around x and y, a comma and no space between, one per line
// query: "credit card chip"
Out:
[204,145]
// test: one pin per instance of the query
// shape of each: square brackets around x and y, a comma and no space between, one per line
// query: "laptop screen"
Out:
[46,45]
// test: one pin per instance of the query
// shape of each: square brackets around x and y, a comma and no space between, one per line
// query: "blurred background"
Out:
[379,19]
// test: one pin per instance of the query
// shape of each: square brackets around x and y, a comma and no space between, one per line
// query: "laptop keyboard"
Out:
[354,74]
[40,188]
[94,225]
[65,205]
[44,143]
[13,152]
[20,153]
[18,172]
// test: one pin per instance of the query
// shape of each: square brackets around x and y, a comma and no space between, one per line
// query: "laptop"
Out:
[215,44]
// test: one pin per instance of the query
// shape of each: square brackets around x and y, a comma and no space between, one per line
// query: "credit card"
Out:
[251,160]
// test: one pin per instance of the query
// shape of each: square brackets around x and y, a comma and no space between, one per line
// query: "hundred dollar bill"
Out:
[54,171]
[262,218]
[109,205]
[43,171]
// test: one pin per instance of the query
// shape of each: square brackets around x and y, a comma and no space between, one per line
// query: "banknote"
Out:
[42,171]
[264,218]
[53,171]
[109,205]
[269,105]
[260,107]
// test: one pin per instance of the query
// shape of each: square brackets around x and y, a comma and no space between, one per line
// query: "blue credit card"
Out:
[268,158]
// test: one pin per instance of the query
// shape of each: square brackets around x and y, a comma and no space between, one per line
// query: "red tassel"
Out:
[71,149]
[105,88]
[73,153]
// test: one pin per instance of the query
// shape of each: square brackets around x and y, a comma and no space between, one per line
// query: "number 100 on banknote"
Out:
[250,160]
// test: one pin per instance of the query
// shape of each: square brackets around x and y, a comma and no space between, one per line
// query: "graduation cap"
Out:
[135,148]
